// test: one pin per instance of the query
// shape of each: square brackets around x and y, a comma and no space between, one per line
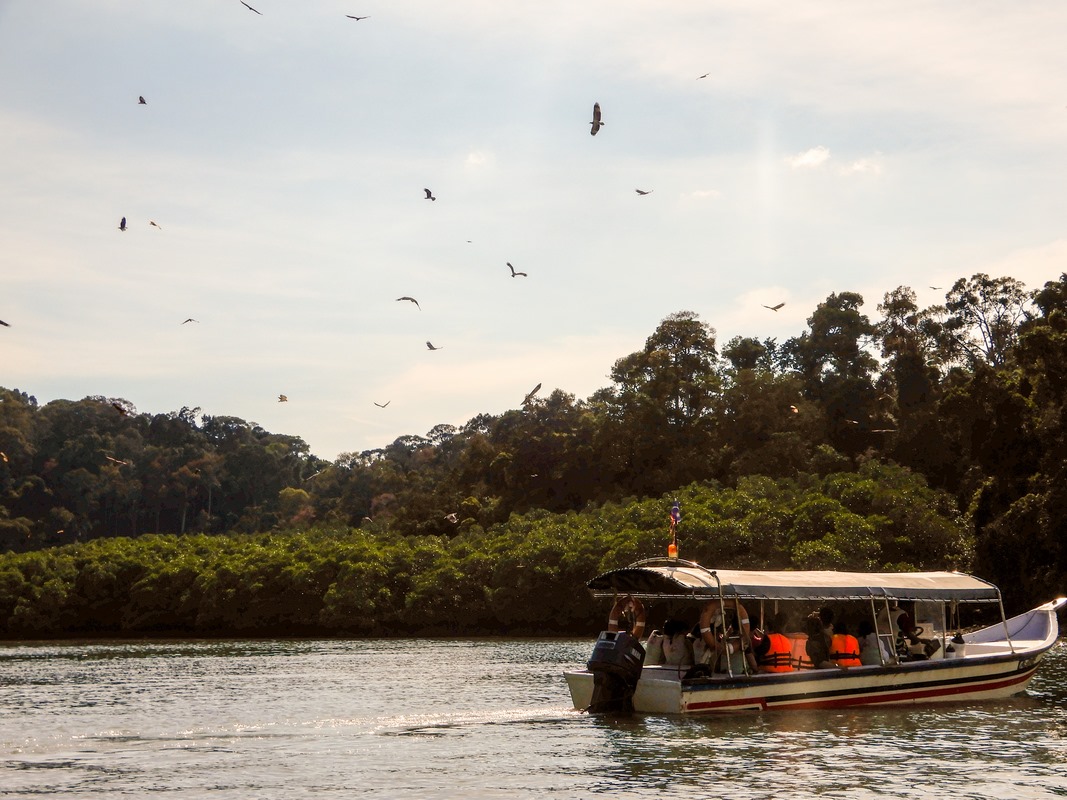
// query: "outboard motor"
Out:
[616,666]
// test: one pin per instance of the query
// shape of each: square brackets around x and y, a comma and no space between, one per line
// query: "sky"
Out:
[283,155]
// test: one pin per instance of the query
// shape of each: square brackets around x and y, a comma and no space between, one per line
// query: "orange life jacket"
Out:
[778,655]
[845,650]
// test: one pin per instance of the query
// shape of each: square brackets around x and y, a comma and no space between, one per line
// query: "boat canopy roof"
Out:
[679,579]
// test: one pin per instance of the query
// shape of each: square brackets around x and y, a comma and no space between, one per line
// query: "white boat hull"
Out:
[992,669]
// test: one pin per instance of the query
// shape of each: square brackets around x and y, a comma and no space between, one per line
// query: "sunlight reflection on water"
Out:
[470,718]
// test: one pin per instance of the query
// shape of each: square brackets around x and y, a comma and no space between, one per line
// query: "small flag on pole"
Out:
[676,515]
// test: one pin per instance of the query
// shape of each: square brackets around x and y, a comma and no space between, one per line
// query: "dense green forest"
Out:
[932,438]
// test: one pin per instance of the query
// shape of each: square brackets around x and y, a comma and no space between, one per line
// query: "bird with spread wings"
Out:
[597,121]
[775,308]
[529,397]
[515,274]
[411,299]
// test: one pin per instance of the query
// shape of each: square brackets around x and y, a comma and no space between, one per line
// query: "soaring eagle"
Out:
[596,123]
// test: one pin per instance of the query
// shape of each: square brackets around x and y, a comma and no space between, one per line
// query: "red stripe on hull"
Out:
[908,696]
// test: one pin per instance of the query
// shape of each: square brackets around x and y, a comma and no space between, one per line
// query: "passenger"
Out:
[873,650]
[628,605]
[677,647]
[773,650]
[826,615]
[844,649]
[728,642]
[886,623]
[817,647]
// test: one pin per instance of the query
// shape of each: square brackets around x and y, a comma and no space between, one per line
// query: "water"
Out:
[470,719]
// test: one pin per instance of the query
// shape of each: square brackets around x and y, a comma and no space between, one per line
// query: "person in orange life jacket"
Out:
[844,648]
[713,624]
[773,649]
[622,606]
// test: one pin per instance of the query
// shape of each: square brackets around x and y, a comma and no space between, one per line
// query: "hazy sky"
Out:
[832,147]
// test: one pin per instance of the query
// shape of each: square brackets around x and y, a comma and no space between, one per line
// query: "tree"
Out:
[983,318]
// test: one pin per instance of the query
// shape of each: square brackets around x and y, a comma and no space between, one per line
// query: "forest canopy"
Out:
[931,438]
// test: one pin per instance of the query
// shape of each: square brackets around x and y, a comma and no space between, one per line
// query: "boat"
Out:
[984,663]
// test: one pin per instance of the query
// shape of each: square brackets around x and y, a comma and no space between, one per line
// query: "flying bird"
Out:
[120,408]
[430,346]
[530,396]
[250,7]
[283,399]
[775,308]
[117,461]
[141,101]
[357,19]
[453,518]
[383,405]
[5,324]
[642,192]
[122,224]
[515,274]
[794,409]
[706,74]
[935,288]
[412,299]
[596,123]
[155,224]
[191,320]
[429,194]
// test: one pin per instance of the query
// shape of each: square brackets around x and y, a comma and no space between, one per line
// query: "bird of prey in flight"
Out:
[141,101]
[117,461]
[706,74]
[357,19]
[431,347]
[453,518]
[283,399]
[5,324]
[155,224]
[775,308]
[935,288]
[122,224]
[643,192]
[596,123]
[191,320]
[515,274]
[530,396]
[429,194]
[412,299]
[250,7]
[383,405]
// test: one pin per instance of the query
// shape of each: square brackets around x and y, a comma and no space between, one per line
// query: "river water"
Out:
[470,719]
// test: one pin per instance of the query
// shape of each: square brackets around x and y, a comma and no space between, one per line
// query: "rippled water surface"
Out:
[470,719]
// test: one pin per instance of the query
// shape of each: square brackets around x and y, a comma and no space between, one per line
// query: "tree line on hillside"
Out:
[520,577]
[968,395]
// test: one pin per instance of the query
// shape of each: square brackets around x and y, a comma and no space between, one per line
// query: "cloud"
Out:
[809,159]
[862,166]
[479,158]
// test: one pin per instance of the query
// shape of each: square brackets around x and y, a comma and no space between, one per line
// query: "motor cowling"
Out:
[616,665]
